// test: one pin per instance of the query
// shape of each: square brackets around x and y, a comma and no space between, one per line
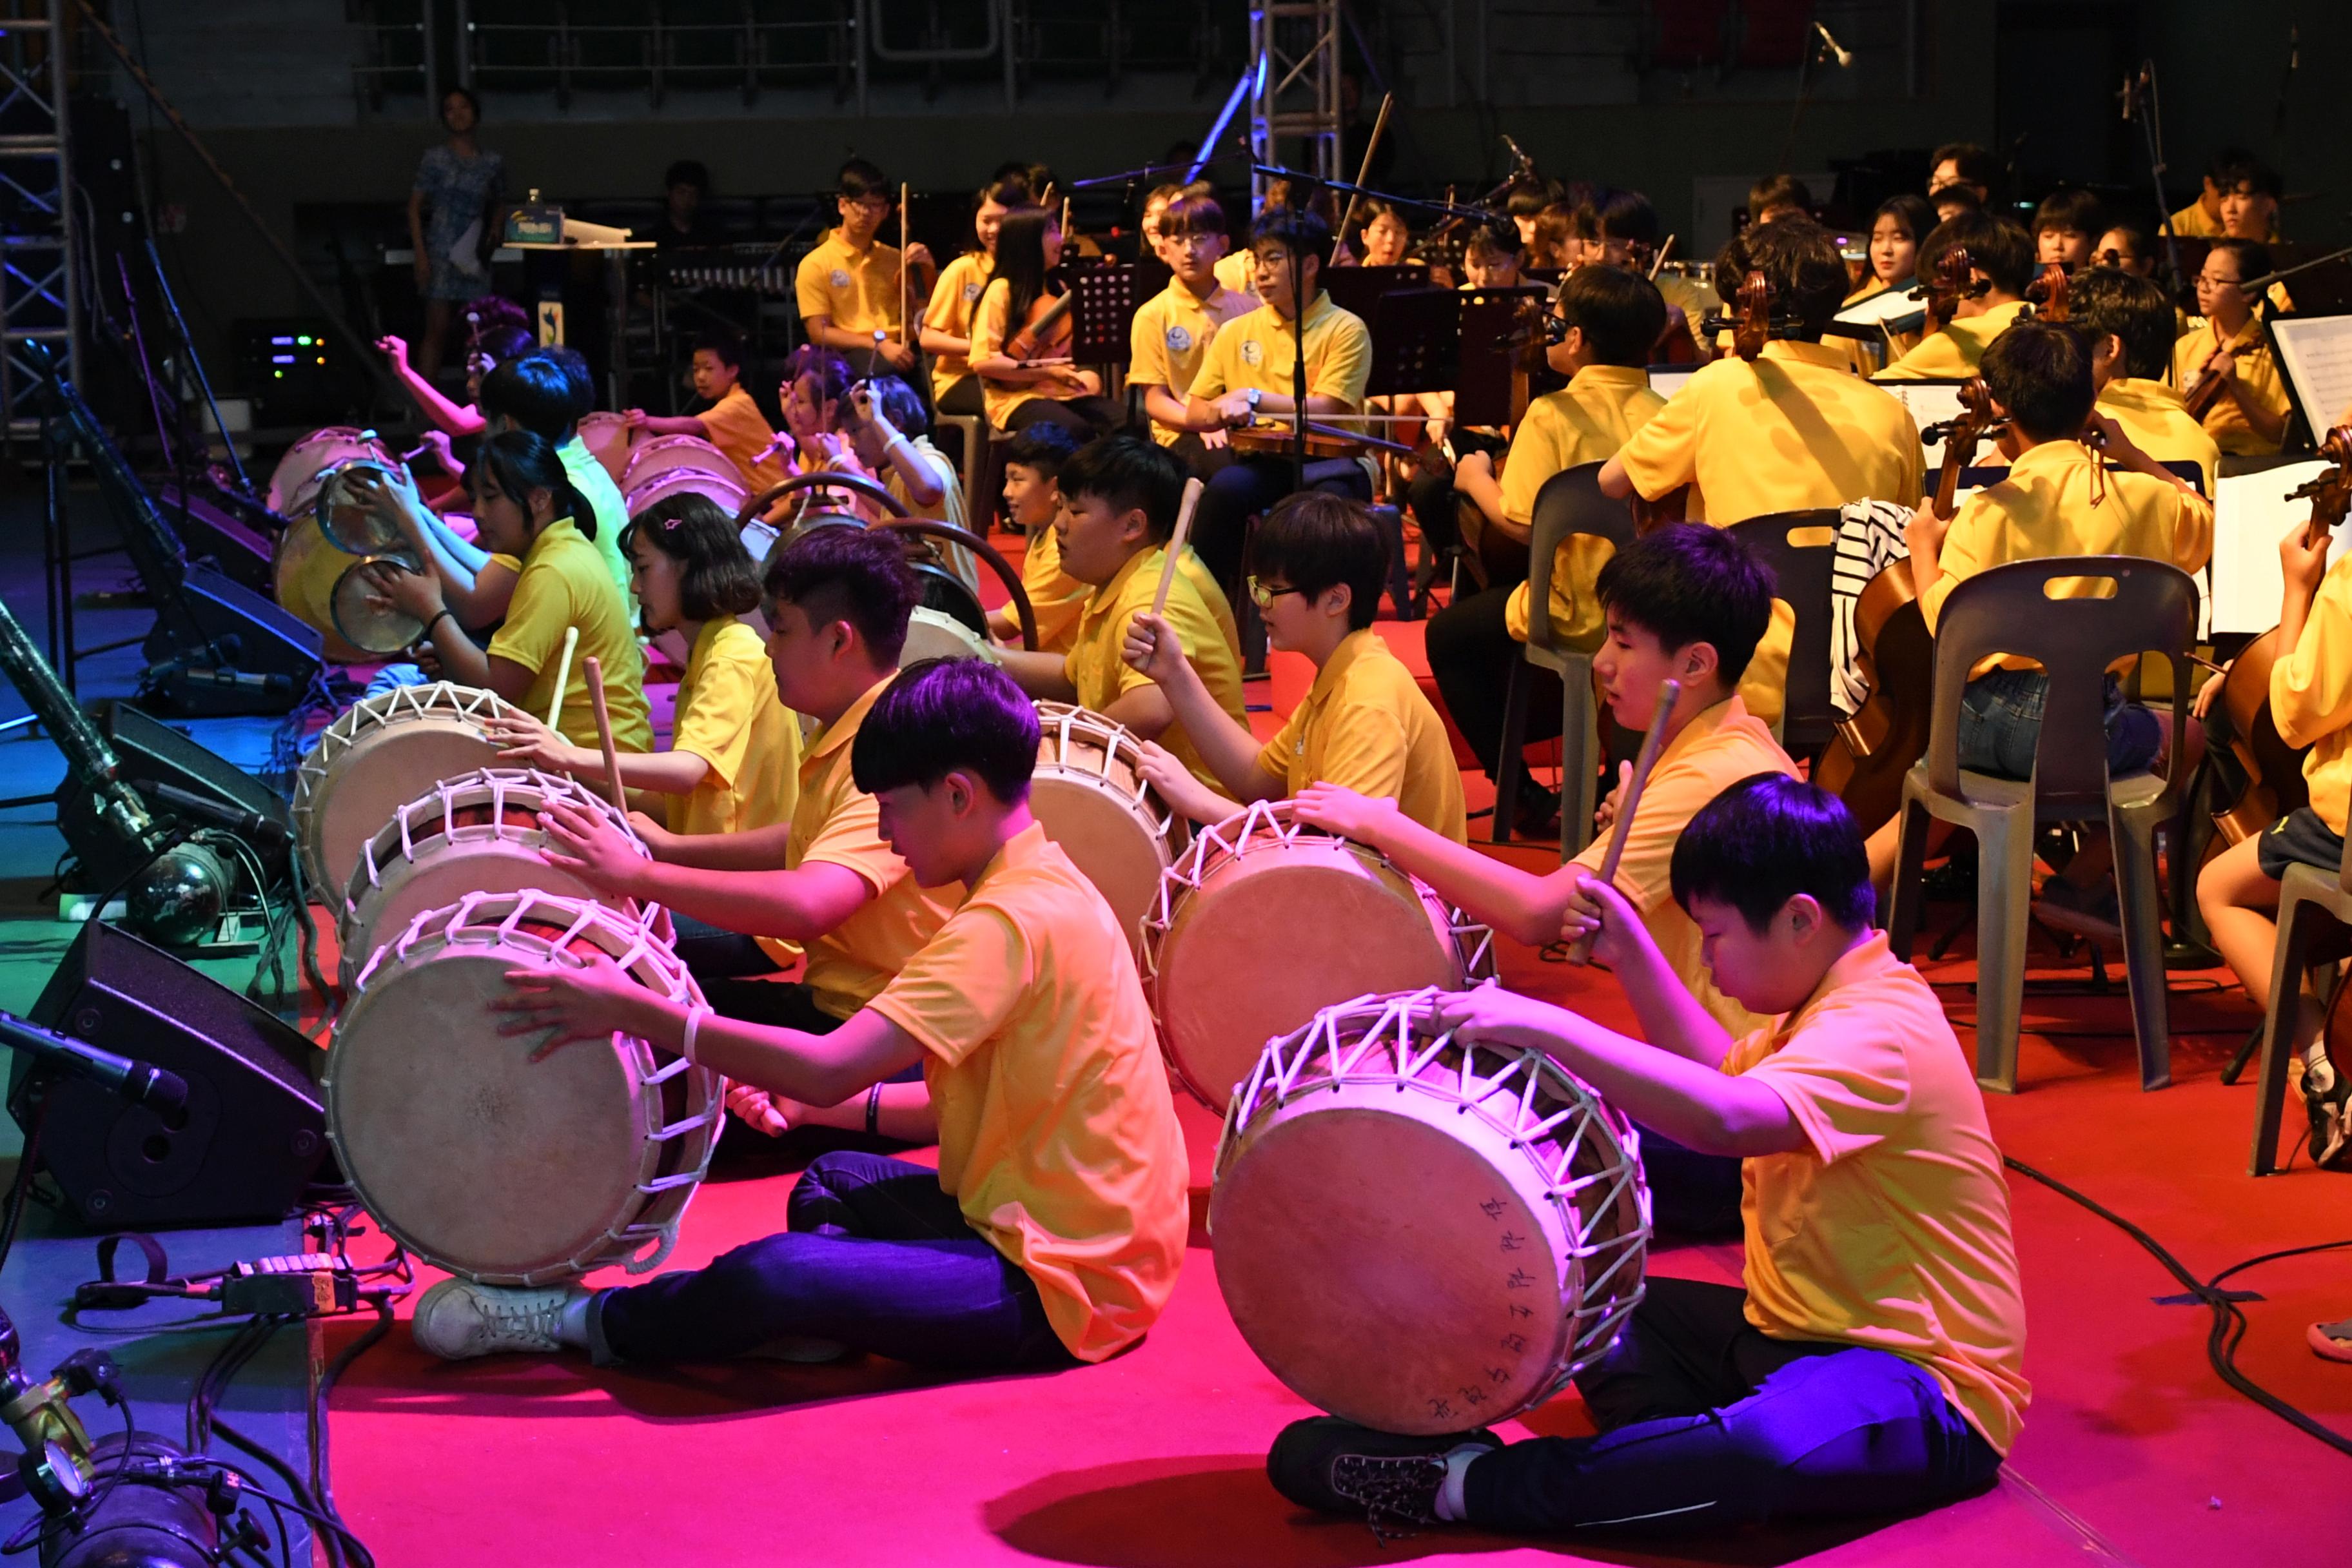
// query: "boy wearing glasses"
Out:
[1120,499]
[1364,724]
[849,286]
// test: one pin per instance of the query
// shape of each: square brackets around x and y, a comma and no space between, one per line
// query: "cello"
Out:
[2273,768]
[1954,281]
[1865,763]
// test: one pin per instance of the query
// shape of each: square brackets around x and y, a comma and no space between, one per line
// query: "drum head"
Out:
[931,635]
[304,570]
[1272,936]
[724,491]
[384,770]
[1112,843]
[365,625]
[447,874]
[349,522]
[479,1159]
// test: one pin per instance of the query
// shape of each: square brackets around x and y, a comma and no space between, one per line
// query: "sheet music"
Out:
[2251,515]
[1666,380]
[2315,351]
[1888,305]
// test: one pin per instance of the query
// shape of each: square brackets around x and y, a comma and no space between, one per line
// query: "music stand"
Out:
[1102,312]
[1489,318]
[1355,288]
[1416,342]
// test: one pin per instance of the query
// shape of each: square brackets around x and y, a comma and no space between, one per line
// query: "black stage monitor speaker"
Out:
[148,751]
[255,1130]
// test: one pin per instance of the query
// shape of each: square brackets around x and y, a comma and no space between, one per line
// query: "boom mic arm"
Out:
[89,761]
[153,548]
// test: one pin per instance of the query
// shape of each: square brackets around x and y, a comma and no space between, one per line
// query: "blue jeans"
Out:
[1708,1425]
[875,1257]
[2000,725]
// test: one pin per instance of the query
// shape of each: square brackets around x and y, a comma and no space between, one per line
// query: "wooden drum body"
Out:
[1422,1235]
[1265,920]
[493,1167]
[1089,795]
[610,439]
[294,483]
[378,755]
[477,833]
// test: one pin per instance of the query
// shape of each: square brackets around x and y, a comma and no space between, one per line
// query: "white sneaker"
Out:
[457,1320]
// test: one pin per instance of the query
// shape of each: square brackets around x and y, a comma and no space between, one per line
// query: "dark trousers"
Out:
[729,967]
[1471,654]
[1691,1194]
[1708,1425]
[874,1256]
[1247,487]
[964,397]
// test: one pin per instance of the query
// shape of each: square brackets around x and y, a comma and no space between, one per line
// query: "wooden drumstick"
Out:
[596,674]
[903,337]
[562,674]
[1580,951]
[1176,542]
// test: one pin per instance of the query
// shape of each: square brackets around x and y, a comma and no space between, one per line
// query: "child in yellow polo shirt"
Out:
[1119,497]
[1365,725]
[2249,418]
[2000,257]
[524,507]
[1613,318]
[1684,602]
[2311,699]
[946,321]
[848,287]
[1032,500]
[1874,1358]
[1052,1229]
[747,905]
[734,751]
[1174,329]
[731,422]
[1041,381]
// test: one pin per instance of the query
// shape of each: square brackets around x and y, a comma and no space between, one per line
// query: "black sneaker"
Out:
[1337,1467]
[2328,1096]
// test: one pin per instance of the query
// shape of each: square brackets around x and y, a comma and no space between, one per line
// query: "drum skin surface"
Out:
[377,755]
[1421,1237]
[1265,921]
[1091,798]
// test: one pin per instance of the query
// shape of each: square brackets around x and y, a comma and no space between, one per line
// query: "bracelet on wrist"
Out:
[874,1110]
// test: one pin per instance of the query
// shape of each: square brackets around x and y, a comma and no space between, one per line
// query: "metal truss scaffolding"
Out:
[40,296]
[1293,99]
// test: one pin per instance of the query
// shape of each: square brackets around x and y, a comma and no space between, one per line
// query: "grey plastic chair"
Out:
[1801,547]
[2009,610]
[2306,893]
[1570,502]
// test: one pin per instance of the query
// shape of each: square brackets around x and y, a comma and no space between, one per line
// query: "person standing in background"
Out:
[452,209]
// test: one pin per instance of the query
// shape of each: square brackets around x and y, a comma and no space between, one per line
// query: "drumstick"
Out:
[902,264]
[596,674]
[562,674]
[1176,540]
[1580,951]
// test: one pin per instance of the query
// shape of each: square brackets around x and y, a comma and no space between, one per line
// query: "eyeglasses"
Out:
[1263,597]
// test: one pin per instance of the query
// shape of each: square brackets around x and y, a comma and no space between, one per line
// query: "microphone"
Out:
[1520,161]
[235,818]
[1843,56]
[141,1083]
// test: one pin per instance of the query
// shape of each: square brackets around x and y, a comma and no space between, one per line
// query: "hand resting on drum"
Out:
[589,1001]
[527,743]
[1186,796]
[1339,809]
[587,845]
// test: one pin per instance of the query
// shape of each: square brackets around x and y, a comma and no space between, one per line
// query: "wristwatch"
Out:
[1250,394]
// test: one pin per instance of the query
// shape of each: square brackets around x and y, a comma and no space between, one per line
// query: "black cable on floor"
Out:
[2228,1325]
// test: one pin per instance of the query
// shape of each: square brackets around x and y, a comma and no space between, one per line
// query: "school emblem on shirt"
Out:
[1252,351]
[1179,340]
[971,292]
[840,279]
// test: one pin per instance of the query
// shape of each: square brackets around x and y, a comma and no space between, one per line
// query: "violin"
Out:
[1954,281]
[1046,333]
[1866,761]
[2200,396]
[2275,783]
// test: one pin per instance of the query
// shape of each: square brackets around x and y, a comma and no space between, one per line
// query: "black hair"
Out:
[1006,191]
[536,393]
[1687,582]
[2134,234]
[1314,540]
[1529,196]
[1494,236]
[1187,212]
[1621,312]
[1767,838]
[2040,373]
[1799,258]
[1626,215]
[521,461]
[1021,263]
[859,179]
[894,401]
[835,572]
[1777,191]
[947,715]
[1300,231]
[2074,209]
[1369,209]
[719,577]
[724,343]
[2234,166]
[831,372]
[2134,308]
[1129,473]
[1555,226]
[1043,447]
[2253,257]
[687,171]
[1971,163]
[1959,198]
[1997,248]
[500,343]
[576,375]
[442,109]
[1916,213]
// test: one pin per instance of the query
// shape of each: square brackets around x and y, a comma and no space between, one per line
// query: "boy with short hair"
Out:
[2128,320]
[1777,196]
[847,288]
[1052,1230]
[2065,227]
[541,391]
[732,422]
[2000,262]
[1120,499]
[1873,1361]
[1613,318]
[2240,200]
[1318,565]
[1033,498]
[1174,329]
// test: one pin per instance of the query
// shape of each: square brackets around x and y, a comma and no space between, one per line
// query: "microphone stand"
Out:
[2139,97]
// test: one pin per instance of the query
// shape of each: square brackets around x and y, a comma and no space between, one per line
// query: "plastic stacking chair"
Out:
[1570,502]
[2009,610]
[2306,893]
[971,432]
[1801,547]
